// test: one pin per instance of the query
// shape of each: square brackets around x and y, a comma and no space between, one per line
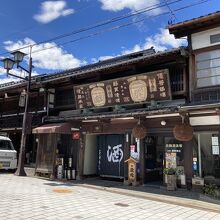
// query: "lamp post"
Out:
[8,65]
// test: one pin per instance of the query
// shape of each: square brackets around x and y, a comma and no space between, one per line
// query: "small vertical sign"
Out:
[215,144]
[132,171]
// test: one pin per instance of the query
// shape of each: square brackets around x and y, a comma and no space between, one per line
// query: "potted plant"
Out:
[171,178]
[181,175]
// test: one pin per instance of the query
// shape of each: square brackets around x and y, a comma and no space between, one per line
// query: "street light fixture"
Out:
[18,56]
[8,65]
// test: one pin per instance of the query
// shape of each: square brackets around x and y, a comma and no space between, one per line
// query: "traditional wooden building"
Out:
[203,35]
[88,114]
[104,102]
[161,109]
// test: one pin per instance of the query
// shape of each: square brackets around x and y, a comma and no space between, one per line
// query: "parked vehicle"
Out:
[8,155]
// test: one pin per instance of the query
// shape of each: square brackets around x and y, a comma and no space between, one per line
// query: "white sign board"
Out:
[215,145]
[135,150]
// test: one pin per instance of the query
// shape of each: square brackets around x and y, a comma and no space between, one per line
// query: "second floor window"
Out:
[208,68]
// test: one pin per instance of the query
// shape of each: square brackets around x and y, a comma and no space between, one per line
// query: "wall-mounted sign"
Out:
[76,135]
[127,90]
[174,148]
[135,151]
[215,145]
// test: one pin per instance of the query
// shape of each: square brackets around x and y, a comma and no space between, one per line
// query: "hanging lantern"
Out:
[139,131]
[183,132]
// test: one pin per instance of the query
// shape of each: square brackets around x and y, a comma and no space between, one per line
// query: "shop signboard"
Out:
[146,87]
[215,145]
[132,170]
[170,160]
[135,150]
[174,148]
[111,155]
[76,135]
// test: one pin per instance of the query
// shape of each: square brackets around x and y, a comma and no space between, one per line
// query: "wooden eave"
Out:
[72,76]
[114,71]
[109,115]
[195,25]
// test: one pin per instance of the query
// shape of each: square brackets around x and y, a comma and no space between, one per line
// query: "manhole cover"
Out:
[78,217]
[62,190]
[44,207]
[122,204]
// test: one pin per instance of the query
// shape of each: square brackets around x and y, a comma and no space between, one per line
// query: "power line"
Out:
[115,19]
[119,27]
[100,24]
[113,28]
[171,11]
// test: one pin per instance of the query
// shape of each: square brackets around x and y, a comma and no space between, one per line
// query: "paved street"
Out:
[33,198]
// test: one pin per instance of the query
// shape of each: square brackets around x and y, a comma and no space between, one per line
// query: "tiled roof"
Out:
[107,64]
[196,19]
[194,23]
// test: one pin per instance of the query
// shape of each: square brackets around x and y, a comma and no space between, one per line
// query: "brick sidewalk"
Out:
[34,198]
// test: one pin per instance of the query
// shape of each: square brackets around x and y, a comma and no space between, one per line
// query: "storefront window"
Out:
[206,155]
[207,68]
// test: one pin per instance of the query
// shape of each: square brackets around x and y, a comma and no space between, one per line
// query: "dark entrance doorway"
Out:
[111,155]
[153,160]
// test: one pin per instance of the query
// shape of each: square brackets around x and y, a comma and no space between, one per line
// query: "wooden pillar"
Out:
[188,159]
[80,156]
[141,162]
[126,154]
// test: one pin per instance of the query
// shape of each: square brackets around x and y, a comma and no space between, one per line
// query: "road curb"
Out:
[190,203]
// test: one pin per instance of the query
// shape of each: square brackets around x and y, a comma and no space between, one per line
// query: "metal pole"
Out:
[20,169]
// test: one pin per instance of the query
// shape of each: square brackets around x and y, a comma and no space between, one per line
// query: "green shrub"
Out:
[169,171]
[212,190]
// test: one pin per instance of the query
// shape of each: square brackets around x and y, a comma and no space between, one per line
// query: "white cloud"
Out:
[160,41]
[5,79]
[51,10]
[136,48]
[133,5]
[51,59]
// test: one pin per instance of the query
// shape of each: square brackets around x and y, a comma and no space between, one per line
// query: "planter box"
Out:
[183,180]
[165,178]
[197,184]
[171,182]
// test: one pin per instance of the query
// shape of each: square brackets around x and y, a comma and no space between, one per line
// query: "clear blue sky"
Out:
[27,22]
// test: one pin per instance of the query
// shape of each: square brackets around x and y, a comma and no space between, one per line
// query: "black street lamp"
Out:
[8,65]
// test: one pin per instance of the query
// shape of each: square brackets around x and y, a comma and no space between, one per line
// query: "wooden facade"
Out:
[69,96]
[53,100]
[203,108]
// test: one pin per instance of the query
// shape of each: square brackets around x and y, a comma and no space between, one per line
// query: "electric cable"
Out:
[117,27]
[99,24]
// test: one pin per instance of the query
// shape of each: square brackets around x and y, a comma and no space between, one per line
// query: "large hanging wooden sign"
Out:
[127,90]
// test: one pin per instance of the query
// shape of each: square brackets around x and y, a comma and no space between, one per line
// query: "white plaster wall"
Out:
[202,39]
[204,120]
[90,159]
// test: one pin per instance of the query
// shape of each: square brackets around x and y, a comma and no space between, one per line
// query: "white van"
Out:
[8,155]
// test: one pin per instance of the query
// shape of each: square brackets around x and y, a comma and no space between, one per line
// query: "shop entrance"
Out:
[104,155]
[153,159]
[206,157]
